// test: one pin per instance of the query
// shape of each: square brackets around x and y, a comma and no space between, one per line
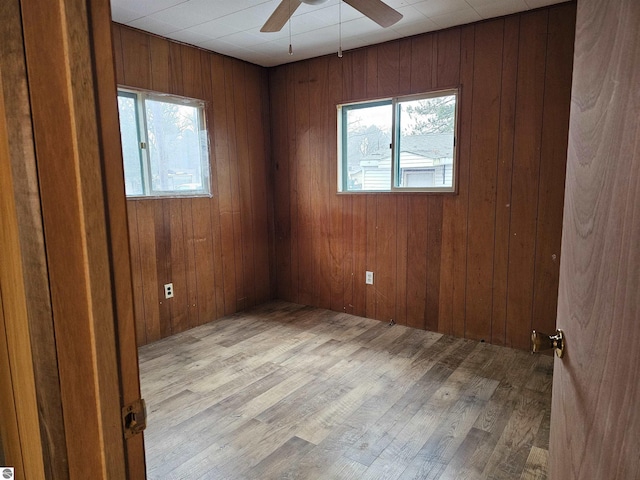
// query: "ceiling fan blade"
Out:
[376,10]
[281,14]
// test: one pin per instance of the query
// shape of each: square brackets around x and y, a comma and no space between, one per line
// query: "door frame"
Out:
[77,183]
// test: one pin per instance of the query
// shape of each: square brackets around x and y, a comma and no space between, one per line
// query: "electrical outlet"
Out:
[368,278]
[168,290]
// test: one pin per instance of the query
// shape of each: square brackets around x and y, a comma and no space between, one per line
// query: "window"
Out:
[164,144]
[398,144]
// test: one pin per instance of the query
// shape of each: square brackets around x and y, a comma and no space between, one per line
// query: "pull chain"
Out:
[290,47]
[340,27]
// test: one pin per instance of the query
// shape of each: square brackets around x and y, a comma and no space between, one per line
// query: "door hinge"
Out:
[134,418]
[143,145]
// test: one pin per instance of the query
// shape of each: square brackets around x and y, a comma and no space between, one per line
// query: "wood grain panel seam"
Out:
[142,283]
[495,216]
[513,153]
[428,266]
[539,156]
[513,157]
[470,110]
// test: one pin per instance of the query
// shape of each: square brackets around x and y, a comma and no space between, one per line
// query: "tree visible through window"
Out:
[404,143]
[164,144]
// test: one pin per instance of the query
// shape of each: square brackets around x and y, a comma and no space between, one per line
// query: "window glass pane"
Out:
[425,142]
[366,152]
[133,180]
[175,147]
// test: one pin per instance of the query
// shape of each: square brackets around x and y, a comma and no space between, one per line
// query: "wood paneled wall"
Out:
[481,264]
[215,251]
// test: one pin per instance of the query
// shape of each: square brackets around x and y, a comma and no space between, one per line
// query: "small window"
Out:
[164,144]
[398,144]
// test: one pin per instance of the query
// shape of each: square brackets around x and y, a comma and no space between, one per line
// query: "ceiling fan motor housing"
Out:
[313,2]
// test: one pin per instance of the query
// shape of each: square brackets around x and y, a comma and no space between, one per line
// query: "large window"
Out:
[398,144]
[164,144]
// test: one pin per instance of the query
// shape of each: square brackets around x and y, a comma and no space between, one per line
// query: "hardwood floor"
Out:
[286,391]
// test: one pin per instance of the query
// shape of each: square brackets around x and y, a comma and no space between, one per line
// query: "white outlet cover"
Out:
[368,279]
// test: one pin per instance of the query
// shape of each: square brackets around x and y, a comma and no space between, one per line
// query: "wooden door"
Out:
[595,420]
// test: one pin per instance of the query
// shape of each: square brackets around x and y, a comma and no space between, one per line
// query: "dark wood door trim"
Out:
[117,225]
[74,115]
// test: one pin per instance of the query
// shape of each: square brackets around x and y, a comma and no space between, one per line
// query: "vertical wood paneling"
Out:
[303,185]
[136,71]
[348,261]
[292,137]
[385,269]
[175,69]
[434,251]
[525,176]
[148,265]
[214,250]
[117,51]
[280,152]
[421,62]
[214,210]
[160,67]
[320,179]
[221,141]
[359,232]
[259,173]
[245,207]
[555,131]
[485,128]
[402,260]
[136,275]
[203,252]
[503,183]
[388,63]
[339,239]
[441,262]
[449,48]
[234,182]
[191,294]
[191,68]
[449,57]
[458,214]
[418,251]
[163,262]
[404,66]
[417,268]
[180,303]
[371,251]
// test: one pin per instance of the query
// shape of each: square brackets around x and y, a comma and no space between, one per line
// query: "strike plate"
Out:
[134,418]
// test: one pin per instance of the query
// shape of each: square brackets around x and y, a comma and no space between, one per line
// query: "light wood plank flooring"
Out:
[292,392]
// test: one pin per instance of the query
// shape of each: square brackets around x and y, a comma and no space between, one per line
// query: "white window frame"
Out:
[395,133]
[145,158]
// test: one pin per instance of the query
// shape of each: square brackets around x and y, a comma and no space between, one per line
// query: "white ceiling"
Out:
[232,27]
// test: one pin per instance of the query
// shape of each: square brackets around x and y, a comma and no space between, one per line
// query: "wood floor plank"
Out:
[271,466]
[287,391]
[536,466]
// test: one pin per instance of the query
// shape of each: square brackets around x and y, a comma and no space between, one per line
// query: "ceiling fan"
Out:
[376,10]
